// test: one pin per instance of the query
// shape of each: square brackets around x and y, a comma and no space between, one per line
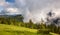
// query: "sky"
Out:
[30,9]
[11,1]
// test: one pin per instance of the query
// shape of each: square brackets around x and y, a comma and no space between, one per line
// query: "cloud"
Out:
[13,11]
[37,8]
[32,9]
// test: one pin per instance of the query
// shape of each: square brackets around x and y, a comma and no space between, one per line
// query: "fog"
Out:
[32,9]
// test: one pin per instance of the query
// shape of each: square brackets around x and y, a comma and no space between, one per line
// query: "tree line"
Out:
[41,27]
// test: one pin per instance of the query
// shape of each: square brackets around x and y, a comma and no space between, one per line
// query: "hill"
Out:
[16,17]
[15,30]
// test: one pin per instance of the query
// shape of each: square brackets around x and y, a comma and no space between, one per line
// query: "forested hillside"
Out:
[17,20]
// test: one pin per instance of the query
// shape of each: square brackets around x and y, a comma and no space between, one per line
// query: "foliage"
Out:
[18,21]
[16,30]
[14,20]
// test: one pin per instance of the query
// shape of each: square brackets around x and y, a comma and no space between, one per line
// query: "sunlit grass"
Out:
[54,33]
[16,30]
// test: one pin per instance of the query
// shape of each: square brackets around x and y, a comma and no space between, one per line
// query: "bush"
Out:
[45,31]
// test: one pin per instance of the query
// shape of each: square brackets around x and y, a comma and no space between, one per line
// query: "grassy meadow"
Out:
[16,30]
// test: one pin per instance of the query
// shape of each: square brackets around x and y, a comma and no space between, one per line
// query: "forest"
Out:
[40,27]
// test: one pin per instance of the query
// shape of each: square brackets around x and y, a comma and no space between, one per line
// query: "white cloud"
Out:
[37,8]
[12,11]
[31,9]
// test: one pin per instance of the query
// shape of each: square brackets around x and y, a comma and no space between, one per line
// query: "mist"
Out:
[32,9]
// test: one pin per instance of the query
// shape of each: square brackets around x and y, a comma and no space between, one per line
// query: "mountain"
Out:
[15,17]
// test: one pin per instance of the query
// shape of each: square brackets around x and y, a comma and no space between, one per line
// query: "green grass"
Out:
[16,33]
[54,33]
[15,30]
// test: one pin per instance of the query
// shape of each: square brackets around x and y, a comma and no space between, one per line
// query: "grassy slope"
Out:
[15,30]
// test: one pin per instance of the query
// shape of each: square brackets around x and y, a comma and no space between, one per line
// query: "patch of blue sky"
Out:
[1,8]
[10,1]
